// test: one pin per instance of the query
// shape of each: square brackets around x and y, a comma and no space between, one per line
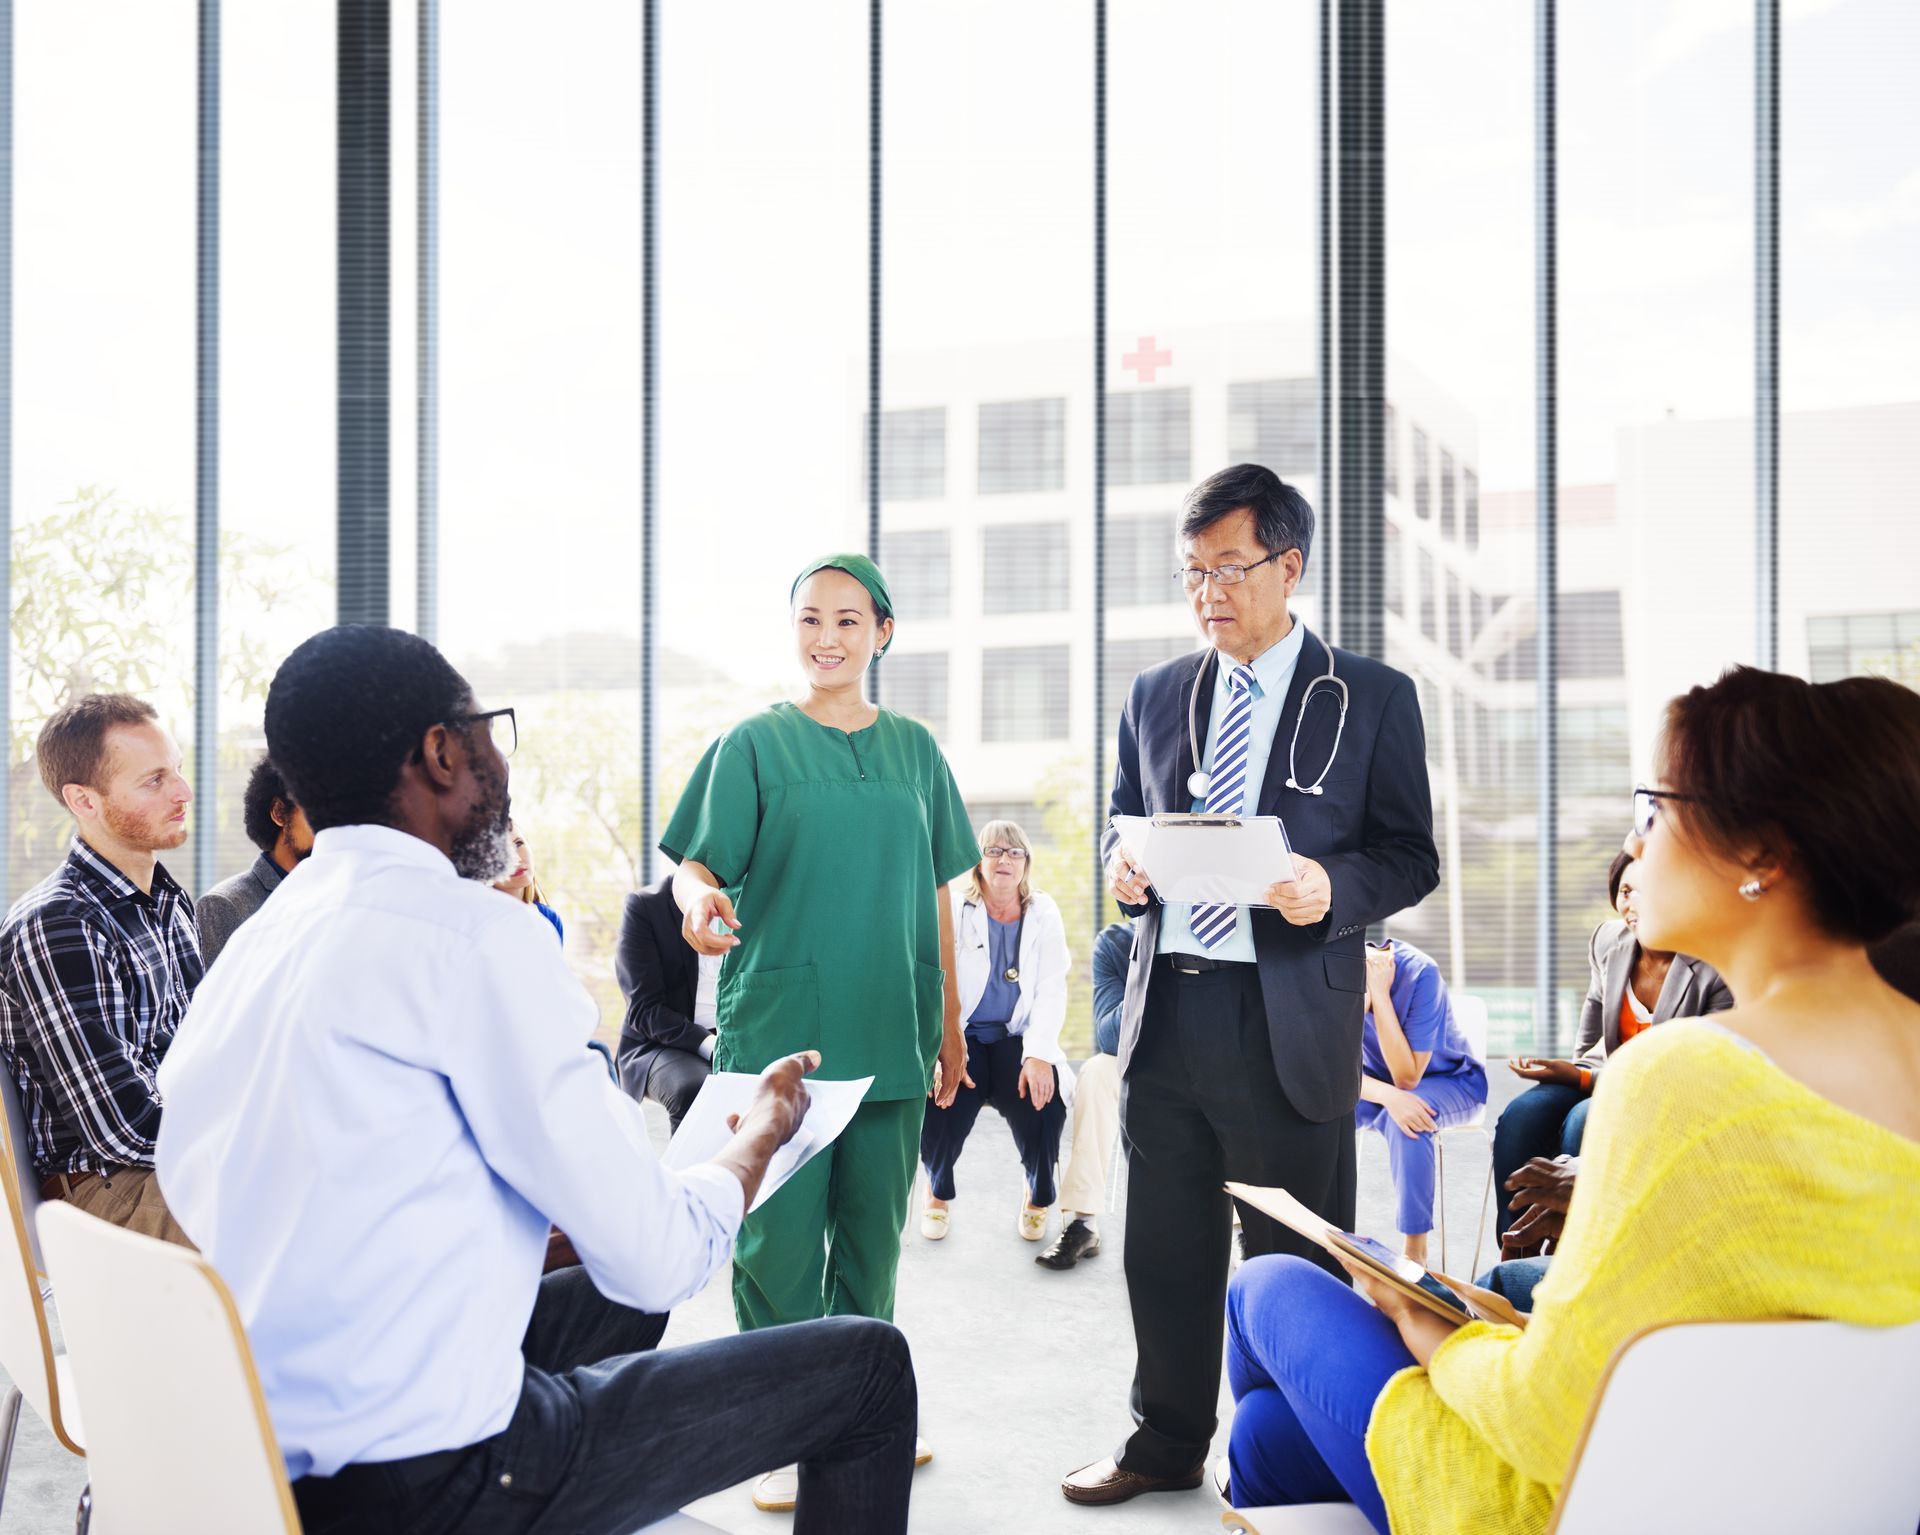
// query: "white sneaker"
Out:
[922,1451]
[1033,1224]
[778,1491]
[933,1224]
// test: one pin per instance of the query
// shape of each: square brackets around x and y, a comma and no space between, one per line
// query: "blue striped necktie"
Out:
[1212,923]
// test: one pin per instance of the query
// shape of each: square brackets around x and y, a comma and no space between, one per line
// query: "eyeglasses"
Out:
[1646,806]
[1017,854]
[1224,575]
[500,724]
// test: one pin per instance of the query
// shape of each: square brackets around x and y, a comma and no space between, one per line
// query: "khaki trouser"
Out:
[1096,1123]
[131,1200]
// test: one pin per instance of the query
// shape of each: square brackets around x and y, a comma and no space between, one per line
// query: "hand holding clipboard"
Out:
[1216,858]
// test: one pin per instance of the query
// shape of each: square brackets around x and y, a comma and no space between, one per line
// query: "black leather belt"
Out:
[1193,964]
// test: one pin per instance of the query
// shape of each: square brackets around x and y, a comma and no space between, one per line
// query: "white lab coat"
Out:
[1044,962]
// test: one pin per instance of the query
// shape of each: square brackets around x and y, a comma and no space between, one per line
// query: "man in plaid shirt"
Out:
[98,962]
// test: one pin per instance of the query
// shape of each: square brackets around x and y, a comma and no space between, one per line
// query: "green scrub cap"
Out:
[862,570]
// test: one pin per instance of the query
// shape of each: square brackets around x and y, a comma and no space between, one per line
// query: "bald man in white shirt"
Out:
[382,1103]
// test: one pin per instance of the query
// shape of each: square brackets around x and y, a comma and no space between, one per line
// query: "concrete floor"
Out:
[1005,1423]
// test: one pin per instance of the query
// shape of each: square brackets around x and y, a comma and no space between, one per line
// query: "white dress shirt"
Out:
[1273,672]
[372,1113]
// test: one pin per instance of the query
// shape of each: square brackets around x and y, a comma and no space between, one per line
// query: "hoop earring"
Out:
[1753,889]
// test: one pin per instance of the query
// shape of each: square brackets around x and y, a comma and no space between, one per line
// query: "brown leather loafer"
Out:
[1104,1482]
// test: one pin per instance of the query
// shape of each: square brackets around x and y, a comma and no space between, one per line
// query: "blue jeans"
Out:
[1410,1158]
[1307,1358]
[611,1434]
[1547,1120]
[1515,1279]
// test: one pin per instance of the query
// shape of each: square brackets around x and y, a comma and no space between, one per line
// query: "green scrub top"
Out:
[830,845]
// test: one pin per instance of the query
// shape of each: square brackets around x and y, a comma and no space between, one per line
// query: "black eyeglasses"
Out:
[1017,854]
[500,724]
[1646,805]
[1224,575]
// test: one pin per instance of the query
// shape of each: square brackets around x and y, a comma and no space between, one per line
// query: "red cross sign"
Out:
[1146,360]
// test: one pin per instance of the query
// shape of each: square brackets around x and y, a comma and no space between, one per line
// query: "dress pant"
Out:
[675,1081]
[1547,1120]
[610,1435]
[995,1068]
[1202,1105]
[130,1198]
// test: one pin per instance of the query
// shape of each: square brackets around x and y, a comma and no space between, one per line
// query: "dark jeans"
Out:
[995,1069]
[610,1435]
[1547,1120]
[1202,1104]
[1307,1358]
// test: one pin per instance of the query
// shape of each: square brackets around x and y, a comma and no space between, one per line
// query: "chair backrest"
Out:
[26,1345]
[1470,1013]
[1782,1427]
[178,1439]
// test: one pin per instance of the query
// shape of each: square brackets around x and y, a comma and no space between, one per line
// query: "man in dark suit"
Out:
[665,1054]
[1240,1041]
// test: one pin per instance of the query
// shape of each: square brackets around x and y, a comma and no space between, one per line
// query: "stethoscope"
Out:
[1198,783]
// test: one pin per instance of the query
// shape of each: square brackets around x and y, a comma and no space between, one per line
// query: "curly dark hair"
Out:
[345,712]
[265,789]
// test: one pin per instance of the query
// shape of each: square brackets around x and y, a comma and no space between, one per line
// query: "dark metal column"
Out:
[1323,332]
[363,191]
[875,80]
[1101,789]
[427,327]
[206,466]
[6,442]
[1546,510]
[649,423]
[1360,322]
[1766,334]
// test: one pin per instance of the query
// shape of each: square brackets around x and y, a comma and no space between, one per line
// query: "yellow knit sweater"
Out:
[1713,1186]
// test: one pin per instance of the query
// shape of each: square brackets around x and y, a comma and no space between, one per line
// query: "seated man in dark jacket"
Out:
[666,1043]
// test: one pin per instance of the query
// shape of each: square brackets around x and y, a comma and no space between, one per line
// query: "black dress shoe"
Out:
[1077,1240]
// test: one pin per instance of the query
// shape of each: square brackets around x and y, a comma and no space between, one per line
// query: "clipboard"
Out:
[1230,859]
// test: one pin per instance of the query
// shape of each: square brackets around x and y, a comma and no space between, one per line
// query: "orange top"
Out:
[1630,1023]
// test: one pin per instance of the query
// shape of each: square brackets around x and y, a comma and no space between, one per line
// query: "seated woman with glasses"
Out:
[1010,952]
[1631,988]
[1758,1164]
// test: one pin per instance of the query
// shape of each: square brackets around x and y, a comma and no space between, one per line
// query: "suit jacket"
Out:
[1372,830]
[223,908]
[1693,989]
[659,975]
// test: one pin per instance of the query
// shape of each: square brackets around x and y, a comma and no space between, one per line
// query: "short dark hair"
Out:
[265,789]
[1825,775]
[345,712]
[1622,861]
[1282,520]
[72,746]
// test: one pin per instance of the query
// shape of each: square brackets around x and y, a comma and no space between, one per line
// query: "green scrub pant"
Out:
[828,1243]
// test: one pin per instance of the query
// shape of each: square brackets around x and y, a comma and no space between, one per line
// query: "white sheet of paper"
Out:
[704,1131]
[1230,864]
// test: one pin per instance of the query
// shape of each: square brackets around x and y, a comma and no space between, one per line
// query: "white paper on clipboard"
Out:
[1204,860]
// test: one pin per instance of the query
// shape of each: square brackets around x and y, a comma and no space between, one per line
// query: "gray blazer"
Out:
[1693,989]
[229,903]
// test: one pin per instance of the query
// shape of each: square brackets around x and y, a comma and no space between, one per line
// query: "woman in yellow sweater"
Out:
[1764,1164]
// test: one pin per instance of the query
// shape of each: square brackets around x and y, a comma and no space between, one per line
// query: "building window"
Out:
[1594,755]
[1024,813]
[1025,568]
[1023,693]
[919,568]
[1023,446]
[916,686]
[1448,527]
[1589,642]
[1389,451]
[1429,594]
[1273,422]
[913,454]
[1456,639]
[1422,502]
[1395,572]
[1148,437]
[1470,496]
[1123,660]
[1865,645]
[1141,560]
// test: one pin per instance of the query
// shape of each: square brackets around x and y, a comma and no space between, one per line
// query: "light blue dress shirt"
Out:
[1272,676]
[374,1107]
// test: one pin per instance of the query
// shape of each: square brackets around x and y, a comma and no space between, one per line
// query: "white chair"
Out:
[1769,1428]
[182,1443]
[1471,1014]
[37,1373]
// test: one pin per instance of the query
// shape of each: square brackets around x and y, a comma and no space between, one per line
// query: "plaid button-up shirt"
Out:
[95,975]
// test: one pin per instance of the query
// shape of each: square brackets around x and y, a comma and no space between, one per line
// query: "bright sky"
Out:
[764,251]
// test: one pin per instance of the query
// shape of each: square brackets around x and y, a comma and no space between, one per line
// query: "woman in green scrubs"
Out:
[822,834]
